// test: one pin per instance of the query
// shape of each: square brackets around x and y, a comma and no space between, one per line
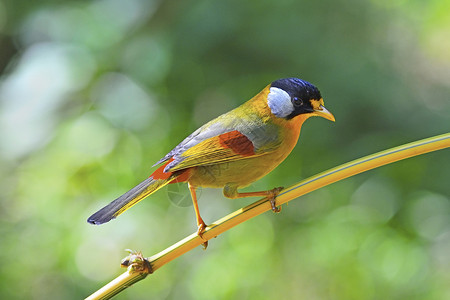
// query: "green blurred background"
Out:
[92,93]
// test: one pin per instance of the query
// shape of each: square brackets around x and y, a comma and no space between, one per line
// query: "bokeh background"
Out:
[92,93]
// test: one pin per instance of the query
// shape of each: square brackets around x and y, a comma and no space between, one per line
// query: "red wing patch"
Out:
[237,142]
[159,174]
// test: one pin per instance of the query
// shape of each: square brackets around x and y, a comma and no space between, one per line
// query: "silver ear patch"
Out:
[279,102]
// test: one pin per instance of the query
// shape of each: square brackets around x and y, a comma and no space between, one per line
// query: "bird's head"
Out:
[290,97]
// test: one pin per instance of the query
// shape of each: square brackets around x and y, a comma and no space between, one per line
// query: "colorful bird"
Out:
[233,150]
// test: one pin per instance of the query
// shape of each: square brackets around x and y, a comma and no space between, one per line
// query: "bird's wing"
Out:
[222,140]
[225,147]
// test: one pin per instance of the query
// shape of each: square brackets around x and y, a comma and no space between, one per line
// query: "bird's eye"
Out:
[297,101]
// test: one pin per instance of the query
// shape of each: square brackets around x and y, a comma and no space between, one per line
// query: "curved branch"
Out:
[136,271]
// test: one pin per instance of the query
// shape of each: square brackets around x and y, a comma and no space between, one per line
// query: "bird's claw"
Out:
[201,228]
[273,197]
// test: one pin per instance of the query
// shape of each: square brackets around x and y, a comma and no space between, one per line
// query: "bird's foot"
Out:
[272,199]
[201,228]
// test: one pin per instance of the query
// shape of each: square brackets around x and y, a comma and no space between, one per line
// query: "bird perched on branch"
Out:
[233,150]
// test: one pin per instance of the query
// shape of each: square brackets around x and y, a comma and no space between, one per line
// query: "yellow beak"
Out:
[324,113]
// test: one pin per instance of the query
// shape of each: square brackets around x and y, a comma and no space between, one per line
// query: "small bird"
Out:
[233,150]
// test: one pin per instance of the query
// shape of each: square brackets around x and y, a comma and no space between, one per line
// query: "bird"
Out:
[233,150]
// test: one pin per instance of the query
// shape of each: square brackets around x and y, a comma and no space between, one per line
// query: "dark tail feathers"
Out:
[127,200]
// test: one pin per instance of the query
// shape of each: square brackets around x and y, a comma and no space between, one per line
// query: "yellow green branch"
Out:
[137,269]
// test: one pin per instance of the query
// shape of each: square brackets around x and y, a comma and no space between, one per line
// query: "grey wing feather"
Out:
[205,132]
[196,137]
[263,136]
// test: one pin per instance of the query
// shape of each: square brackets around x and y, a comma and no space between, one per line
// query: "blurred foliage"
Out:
[92,93]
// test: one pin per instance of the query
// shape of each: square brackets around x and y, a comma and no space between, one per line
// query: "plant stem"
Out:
[304,187]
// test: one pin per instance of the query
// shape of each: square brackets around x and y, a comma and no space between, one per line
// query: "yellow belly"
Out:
[241,172]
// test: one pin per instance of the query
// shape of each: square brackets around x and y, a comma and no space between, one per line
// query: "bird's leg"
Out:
[230,191]
[200,223]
